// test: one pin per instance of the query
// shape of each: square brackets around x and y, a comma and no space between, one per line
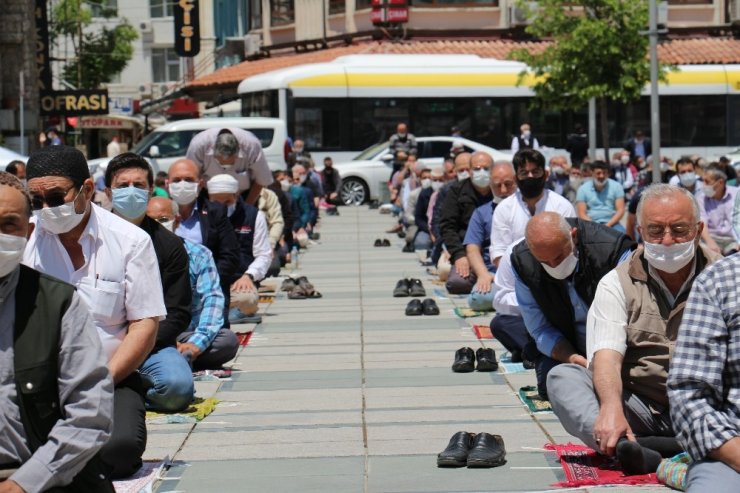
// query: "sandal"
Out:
[297,293]
[288,284]
[308,288]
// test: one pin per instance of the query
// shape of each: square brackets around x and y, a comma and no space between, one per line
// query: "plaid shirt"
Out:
[208,299]
[704,379]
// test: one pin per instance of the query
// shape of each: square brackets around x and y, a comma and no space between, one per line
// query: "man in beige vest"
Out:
[618,406]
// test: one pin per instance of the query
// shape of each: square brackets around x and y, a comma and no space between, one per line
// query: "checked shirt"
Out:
[208,299]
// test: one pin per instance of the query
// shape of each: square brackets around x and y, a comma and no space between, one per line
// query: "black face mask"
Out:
[531,187]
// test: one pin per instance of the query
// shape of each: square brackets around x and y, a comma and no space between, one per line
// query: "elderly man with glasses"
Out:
[618,404]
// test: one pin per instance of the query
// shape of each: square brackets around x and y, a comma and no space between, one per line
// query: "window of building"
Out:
[336,7]
[690,2]
[255,14]
[165,65]
[229,20]
[282,12]
[104,8]
[362,4]
[161,8]
[453,3]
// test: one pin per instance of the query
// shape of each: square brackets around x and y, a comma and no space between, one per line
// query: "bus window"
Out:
[436,149]
[263,103]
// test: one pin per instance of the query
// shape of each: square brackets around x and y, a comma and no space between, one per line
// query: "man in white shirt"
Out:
[250,227]
[617,404]
[525,140]
[233,151]
[113,265]
[511,216]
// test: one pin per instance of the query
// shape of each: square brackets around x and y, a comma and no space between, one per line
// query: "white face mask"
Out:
[426,183]
[169,225]
[437,185]
[463,175]
[285,185]
[59,220]
[558,170]
[526,134]
[481,178]
[564,268]
[302,179]
[184,192]
[670,258]
[402,135]
[708,190]
[599,184]
[575,181]
[624,159]
[497,199]
[11,252]
[688,179]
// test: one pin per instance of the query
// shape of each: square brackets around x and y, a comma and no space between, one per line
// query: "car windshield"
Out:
[371,152]
[173,144]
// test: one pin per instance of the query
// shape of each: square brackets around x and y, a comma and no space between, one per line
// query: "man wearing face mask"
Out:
[717,208]
[638,146]
[558,177]
[460,202]
[281,187]
[439,257]
[56,392]
[619,405]
[205,222]
[531,197]
[575,179]
[114,267]
[299,155]
[602,199]
[557,270]
[250,227]
[525,140]
[402,141]
[477,239]
[412,188]
[686,176]
[167,377]
[233,151]
[623,172]
[431,181]
[210,344]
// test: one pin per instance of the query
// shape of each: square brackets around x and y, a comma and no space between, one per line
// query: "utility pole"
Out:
[22,98]
[79,44]
[592,129]
[654,96]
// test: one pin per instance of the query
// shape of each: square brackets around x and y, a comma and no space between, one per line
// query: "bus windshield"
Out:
[370,152]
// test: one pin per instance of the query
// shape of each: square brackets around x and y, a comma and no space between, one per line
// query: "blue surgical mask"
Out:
[130,202]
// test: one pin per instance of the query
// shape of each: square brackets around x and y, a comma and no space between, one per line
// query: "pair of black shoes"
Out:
[409,287]
[465,360]
[385,242]
[426,307]
[468,449]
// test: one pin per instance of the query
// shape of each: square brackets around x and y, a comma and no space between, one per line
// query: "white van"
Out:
[168,143]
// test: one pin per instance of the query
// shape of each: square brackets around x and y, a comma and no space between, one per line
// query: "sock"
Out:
[666,446]
[636,459]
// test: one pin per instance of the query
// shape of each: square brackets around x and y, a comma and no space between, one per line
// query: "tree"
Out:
[99,55]
[598,50]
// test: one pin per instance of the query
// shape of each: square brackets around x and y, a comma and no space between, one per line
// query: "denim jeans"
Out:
[168,380]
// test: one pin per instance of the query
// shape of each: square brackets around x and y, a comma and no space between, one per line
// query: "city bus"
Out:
[341,107]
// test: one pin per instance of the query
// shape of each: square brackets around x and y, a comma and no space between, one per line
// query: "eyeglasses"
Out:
[523,174]
[54,199]
[680,231]
[163,219]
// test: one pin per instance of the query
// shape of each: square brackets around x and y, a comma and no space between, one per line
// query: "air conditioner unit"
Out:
[145,27]
[518,16]
[252,44]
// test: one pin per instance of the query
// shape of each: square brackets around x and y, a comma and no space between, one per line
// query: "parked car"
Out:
[364,176]
[168,143]
[7,155]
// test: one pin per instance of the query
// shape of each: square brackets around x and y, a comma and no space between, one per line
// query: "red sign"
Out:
[385,12]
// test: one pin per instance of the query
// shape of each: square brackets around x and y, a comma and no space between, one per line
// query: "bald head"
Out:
[462,162]
[549,236]
[481,159]
[183,168]
[161,208]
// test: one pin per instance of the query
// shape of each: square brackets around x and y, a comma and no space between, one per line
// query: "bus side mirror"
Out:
[386,157]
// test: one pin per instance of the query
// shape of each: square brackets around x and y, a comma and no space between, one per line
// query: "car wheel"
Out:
[354,191]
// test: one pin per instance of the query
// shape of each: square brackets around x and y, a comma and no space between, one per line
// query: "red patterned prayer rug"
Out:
[584,467]
[243,337]
[482,332]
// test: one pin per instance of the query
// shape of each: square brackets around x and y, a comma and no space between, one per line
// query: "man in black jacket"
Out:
[167,376]
[205,222]
[557,270]
[460,202]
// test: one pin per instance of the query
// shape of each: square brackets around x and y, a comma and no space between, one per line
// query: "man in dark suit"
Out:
[205,222]
[639,146]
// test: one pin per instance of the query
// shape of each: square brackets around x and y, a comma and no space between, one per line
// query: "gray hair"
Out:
[226,145]
[665,191]
[716,173]
[503,163]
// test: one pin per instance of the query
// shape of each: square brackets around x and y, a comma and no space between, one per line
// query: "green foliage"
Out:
[599,50]
[101,54]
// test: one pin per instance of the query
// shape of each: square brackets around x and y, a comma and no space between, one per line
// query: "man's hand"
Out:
[188,346]
[577,359]
[332,195]
[483,284]
[10,486]
[243,285]
[609,427]
[462,267]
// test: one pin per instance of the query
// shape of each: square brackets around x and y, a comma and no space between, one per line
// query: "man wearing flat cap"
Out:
[250,227]
[113,265]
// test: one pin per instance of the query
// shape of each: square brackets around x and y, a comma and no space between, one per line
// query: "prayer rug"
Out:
[199,409]
[266,298]
[533,401]
[482,331]
[440,293]
[584,467]
[509,367]
[143,480]
[468,312]
[243,337]
[267,288]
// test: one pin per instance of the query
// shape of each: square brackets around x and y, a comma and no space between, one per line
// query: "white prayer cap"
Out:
[223,184]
